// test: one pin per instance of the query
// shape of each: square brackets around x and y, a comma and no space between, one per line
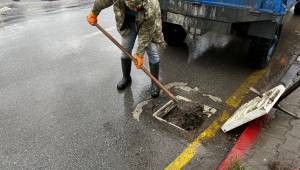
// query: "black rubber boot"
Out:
[126,68]
[154,69]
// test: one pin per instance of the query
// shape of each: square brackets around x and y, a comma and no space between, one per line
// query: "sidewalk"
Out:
[278,146]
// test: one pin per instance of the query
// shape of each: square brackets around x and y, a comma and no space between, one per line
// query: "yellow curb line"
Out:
[233,101]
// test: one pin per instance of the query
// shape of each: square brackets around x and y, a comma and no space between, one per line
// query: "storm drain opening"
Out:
[187,117]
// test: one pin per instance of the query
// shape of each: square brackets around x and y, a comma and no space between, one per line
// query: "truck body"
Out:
[260,20]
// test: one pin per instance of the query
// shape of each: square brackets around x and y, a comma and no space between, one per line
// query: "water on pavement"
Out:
[60,108]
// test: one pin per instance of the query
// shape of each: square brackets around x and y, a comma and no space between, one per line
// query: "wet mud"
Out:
[187,115]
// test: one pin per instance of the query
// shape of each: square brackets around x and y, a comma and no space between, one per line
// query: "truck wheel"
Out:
[297,9]
[173,34]
[258,52]
[261,50]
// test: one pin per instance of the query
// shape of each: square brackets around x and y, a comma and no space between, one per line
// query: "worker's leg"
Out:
[154,60]
[127,43]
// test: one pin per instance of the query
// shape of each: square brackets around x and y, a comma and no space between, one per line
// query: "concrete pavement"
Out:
[278,146]
[272,141]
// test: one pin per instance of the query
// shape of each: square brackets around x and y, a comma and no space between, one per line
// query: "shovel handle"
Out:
[147,72]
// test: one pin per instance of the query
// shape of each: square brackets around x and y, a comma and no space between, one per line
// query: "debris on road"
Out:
[180,98]
[139,109]
[182,86]
[209,110]
[4,10]
[213,98]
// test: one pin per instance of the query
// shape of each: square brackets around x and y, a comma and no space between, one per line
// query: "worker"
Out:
[136,18]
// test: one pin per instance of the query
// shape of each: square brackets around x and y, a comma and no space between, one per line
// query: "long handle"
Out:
[133,59]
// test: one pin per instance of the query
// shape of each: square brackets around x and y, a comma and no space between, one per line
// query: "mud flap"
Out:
[255,108]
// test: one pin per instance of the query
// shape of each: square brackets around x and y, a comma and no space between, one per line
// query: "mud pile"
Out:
[187,115]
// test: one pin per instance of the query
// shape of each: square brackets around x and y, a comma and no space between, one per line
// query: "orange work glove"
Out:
[92,18]
[139,60]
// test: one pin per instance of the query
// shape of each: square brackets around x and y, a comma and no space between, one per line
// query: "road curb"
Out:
[251,132]
[244,142]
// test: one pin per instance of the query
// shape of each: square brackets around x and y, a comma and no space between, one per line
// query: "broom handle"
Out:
[147,72]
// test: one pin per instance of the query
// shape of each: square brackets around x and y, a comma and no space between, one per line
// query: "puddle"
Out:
[13,9]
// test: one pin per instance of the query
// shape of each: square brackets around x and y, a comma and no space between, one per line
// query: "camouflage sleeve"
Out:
[145,34]
[150,29]
[101,4]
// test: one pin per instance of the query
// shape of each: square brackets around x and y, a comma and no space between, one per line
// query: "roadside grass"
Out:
[236,164]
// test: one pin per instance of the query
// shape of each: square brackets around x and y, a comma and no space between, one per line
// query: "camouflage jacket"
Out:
[148,21]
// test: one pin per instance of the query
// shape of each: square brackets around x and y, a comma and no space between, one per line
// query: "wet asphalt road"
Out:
[60,108]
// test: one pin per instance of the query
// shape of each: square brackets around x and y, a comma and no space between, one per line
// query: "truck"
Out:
[259,20]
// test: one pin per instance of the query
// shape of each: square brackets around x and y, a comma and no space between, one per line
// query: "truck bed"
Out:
[277,7]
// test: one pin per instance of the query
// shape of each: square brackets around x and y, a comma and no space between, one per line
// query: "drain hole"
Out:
[186,120]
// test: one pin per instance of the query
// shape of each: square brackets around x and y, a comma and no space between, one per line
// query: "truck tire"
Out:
[261,49]
[297,9]
[258,52]
[174,34]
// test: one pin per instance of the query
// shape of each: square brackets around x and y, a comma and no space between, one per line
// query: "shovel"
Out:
[147,72]
[175,99]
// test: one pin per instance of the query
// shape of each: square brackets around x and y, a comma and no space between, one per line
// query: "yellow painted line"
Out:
[190,151]
[233,101]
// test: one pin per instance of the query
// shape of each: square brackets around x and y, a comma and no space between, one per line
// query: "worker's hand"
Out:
[92,18]
[139,60]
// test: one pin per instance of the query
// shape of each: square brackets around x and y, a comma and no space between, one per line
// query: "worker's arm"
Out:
[150,28]
[145,34]
[100,5]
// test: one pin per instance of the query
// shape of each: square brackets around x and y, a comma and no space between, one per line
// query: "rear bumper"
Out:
[196,25]
[218,13]
[199,18]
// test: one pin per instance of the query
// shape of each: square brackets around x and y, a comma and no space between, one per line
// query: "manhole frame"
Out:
[165,109]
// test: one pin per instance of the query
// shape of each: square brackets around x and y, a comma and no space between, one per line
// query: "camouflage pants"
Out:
[128,43]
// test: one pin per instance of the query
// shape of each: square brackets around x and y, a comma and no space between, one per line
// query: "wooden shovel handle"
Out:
[147,72]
